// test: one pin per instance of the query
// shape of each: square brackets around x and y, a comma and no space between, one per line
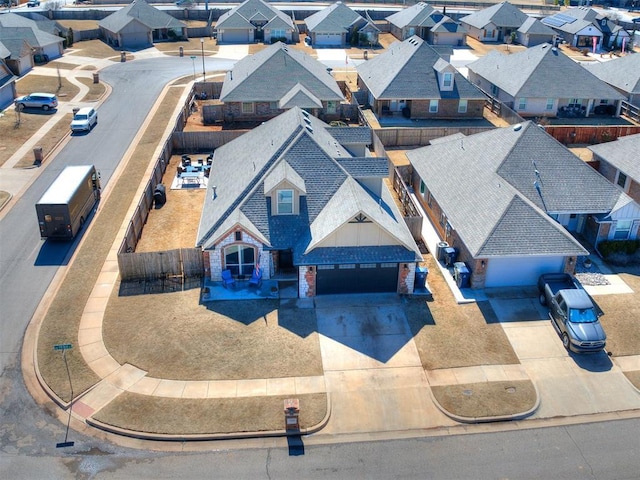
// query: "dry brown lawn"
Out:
[64,89]
[634,377]
[94,49]
[172,336]
[488,399]
[49,141]
[61,65]
[78,25]
[14,135]
[190,47]
[62,320]
[208,416]
[4,198]
[448,335]
[96,90]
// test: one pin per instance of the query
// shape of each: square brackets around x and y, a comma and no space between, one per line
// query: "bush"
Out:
[612,247]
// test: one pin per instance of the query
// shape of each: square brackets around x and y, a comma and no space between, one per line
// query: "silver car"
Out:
[45,101]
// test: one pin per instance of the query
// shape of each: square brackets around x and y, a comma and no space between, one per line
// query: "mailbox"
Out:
[291,414]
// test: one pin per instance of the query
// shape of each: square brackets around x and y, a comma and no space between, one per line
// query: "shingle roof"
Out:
[541,72]
[623,154]
[296,146]
[240,16]
[393,74]
[15,47]
[336,18]
[351,135]
[622,73]
[365,167]
[299,96]
[502,15]
[33,36]
[534,26]
[415,15]
[270,74]
[31,20]
[141,11]
[486,185]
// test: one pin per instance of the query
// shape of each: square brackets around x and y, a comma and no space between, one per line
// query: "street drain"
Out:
[510,389]
[467,392]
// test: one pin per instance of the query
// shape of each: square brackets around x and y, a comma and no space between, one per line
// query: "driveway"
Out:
[372,368]
[568,384]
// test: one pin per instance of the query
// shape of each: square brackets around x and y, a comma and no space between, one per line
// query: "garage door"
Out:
[502,272]
[235,36]
[135,40]
[328,39]
[357,278]
[6,96]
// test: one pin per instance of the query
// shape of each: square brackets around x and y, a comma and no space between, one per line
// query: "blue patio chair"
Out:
[227,279]
[256,277]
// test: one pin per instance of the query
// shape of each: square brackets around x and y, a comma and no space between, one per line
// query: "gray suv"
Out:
[45,101]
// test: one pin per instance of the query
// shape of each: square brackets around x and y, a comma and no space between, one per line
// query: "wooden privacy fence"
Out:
[412,136]
[182,262]
[411,213]
[589,134]
[191,142]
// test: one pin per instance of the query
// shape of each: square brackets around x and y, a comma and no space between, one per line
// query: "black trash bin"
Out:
[440,250]
[450,256]
[160,194]
[461,274]
[421,277]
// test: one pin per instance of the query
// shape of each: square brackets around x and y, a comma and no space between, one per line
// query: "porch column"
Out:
[589,105]
[618,107]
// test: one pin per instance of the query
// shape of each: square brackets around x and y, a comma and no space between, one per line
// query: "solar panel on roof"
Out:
[564,17]
[554,22]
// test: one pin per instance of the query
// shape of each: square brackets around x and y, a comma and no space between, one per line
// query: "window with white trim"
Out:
[622,180]
[240,259]
[433,106]
[247,107]
[423,187]
[284,202]
[332,106]
[522,103]
[623,228]
[462,105]
[447,79]
[550,104]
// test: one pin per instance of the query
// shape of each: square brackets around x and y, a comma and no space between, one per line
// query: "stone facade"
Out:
[406,278]
[216,257]
[306,281]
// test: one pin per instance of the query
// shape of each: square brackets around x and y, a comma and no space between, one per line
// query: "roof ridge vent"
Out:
[517,127]
[309,128]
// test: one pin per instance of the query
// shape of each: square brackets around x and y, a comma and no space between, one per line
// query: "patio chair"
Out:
[227,279]
[256,277]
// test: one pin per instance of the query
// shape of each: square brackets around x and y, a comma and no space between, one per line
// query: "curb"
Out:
[496,418]
[4,204]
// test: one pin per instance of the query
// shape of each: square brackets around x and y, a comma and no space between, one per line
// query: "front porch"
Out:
[242,290]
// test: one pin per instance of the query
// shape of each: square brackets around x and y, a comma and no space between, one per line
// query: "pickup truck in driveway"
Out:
[572,312]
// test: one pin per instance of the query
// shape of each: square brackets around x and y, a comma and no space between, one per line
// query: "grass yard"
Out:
[15,135]
[61,87]
[448,335]
[78,25]
[208,416]
[62,320]
[96,90]
[49,141]
[172,336]
[94,49]
[190,47]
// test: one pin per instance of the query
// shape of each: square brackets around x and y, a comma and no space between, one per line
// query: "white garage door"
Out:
[235,36]
[52,51]
[328,39]
[502,272]
[135,40]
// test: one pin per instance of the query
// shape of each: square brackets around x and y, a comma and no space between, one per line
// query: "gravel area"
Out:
[590,275]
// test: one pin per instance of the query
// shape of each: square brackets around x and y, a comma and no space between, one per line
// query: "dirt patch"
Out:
[172,336]
[398,156]
[448,335]
[49,141]
[201,416]
[487,399]
[634,377]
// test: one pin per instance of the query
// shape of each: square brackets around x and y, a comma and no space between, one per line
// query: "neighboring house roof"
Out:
[271,74]
[575,19]
[418,15]
[623,154]
[337,18]
[140,11]
[533,26]
[408,70]
[498,188]
[446,24]
[541,72]
[14,48]
[351,135]
[242,15]
[298,148]
[622,73]
[33,36]
[502,15]
[5,52]
[32,20]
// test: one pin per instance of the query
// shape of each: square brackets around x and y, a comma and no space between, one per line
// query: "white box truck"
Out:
[68,202]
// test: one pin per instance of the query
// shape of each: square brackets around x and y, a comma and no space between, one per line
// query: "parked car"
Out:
[45,101]
[84,119]
[33,3]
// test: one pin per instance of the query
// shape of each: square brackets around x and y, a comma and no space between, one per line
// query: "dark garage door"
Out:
[359,278]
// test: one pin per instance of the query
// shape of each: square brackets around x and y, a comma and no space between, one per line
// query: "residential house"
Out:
[42,35]
[7,81]
[410,78]
[533,32]
[265,84]
[17,54]
[428,23]
[542,81]
[297,196]
[619,162]
[139,25]
[495,23]
[584,26]
[338,26]
[511,199]
[255,21]
[623,74]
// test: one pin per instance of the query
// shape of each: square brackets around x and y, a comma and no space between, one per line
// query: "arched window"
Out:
[240,259]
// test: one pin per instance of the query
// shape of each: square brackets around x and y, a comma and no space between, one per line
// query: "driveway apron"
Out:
[372,367]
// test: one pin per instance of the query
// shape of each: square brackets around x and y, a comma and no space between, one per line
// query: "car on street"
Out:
[33,3]
[45,101]
[84,119]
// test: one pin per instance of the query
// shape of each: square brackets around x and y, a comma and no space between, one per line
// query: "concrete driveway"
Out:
[372,368]
[568,384]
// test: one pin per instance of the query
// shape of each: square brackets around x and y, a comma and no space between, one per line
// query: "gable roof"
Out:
[31,20]
[299,148]
[502,15]
[14,48]
[241,15]
[575,19]
[538,72]
[623,154]
[393,74]
[272,73]
[533,26]
[142,12]
[498,188]
[334,18]
[33,36]
[418,15]
[622,73]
